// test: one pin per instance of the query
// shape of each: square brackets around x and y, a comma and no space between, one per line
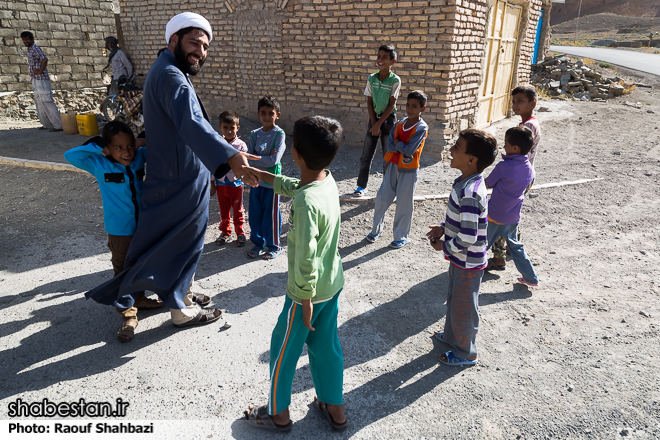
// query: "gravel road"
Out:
[643,62]
[574,358]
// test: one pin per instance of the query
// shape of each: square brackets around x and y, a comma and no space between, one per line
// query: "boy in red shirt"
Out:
[523,103]
[230,188]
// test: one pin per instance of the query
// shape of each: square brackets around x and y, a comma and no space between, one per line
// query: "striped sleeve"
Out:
[466,225]
[464,218]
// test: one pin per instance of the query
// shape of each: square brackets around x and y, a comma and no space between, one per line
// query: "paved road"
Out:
[644,62]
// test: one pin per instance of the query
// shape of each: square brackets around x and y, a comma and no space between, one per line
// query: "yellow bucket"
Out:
[87,125]
[69,123]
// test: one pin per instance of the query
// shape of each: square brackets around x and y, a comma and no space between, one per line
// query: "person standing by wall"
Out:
[119,62]
[48,113]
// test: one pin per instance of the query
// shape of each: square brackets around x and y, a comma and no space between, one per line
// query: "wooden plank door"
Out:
[500,60]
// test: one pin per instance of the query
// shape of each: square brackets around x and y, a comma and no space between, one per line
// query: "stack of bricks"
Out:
[70,32]
[314,56]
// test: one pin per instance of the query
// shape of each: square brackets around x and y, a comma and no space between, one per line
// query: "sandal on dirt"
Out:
[201,299]
[147,303]
[205,316]
[241,240]
[127,330]
[126,333]
[454,361]
[493,266]
[398,244]
[223,239]
[255,252]
[521,280]
[371,238]
[440,336]
[270,255]
[254,415]
[323,409]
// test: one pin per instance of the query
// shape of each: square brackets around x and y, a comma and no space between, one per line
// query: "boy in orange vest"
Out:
[404,148]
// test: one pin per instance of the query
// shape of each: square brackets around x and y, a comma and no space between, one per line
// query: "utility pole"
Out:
[578,22]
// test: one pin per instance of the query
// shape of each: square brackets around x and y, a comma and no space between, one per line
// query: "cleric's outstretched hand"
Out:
[239,165]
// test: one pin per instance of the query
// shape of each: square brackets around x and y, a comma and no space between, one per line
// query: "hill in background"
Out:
[629,8]
[604,26]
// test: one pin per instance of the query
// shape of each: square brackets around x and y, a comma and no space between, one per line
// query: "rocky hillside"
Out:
[629,8]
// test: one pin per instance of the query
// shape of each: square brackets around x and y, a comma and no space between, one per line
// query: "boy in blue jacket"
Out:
[119,169]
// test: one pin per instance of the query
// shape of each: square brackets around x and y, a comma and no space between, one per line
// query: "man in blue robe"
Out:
[173,214]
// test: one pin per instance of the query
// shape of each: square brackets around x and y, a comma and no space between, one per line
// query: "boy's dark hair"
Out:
[528,90]
[27,34]
[316,139]
[268,101]
[113,128]
[521,137]
[419,96]
[228,117]
[481,145]
[389,49]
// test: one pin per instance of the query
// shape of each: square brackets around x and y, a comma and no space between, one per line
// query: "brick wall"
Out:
[70,32]
[528,22]
[314,55]
[546,30]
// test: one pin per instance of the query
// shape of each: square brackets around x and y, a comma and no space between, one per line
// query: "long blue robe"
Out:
[182,148]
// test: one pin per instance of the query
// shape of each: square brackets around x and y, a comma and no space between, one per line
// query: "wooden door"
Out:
[500,60]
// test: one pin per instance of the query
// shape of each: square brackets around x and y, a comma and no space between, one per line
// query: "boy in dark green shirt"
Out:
[315,280]
[382,92]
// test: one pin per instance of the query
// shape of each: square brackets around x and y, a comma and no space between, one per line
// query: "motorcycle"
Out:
[126,106]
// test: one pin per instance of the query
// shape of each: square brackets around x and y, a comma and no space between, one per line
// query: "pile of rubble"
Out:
[560,76]
[20,105]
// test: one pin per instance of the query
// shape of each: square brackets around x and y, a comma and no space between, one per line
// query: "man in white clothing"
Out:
[48,113]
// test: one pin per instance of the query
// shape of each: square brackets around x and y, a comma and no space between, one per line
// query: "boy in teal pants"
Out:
[315,280]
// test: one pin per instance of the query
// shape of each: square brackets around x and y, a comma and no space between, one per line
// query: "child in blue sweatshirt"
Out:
[119,169]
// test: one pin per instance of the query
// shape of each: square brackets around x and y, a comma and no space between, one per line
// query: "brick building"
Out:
[70,32]
[314,55]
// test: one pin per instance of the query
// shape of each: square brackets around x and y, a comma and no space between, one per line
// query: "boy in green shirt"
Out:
[315,280]
[382,92]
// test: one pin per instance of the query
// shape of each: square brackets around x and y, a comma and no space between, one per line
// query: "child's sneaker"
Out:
[240,242]
[359,192]
[223,239]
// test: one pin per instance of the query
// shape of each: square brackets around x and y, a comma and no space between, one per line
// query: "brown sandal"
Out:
[127,330]
[147,303]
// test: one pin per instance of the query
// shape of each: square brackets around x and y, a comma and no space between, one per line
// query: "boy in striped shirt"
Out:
[464,244]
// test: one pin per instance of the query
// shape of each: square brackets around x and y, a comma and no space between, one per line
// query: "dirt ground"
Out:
[576,357]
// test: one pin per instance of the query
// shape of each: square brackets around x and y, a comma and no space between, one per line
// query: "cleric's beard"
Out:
[184,64]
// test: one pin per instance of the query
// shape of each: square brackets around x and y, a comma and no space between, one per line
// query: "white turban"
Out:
[184,20]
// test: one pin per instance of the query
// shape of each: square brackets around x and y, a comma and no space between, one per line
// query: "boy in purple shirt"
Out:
[509,179]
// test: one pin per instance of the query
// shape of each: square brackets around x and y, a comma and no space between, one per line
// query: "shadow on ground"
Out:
[61,334]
